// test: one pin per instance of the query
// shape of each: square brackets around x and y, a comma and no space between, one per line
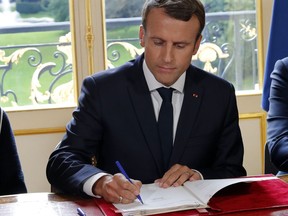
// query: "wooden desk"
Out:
[50,204]
[284,178]
[46,204]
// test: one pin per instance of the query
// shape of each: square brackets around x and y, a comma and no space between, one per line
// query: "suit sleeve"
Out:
[71,163]
[277,120]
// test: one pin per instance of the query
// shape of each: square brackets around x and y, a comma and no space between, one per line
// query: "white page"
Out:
[205,189]
[196,195]
[156,198]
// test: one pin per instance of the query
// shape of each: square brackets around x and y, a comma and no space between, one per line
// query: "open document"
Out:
[192,195]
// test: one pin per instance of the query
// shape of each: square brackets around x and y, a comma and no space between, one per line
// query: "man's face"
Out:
[169,45]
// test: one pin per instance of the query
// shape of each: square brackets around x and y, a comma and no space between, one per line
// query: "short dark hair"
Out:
[178,9]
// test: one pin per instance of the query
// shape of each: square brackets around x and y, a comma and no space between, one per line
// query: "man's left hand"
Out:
[177,175]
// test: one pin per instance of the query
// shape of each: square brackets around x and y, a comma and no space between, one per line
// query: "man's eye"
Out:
[180,46]
[158,43]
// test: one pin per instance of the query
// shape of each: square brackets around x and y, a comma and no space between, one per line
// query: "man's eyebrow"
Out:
[182,42]
[174,42]
[157,38]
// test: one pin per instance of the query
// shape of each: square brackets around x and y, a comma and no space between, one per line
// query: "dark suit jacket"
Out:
[277,119]
[115,120]
[11,180]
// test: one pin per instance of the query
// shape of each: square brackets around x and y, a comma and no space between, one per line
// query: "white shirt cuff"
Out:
[198,173]
[88,185]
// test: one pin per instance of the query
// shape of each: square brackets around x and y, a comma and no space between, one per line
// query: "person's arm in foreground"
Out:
[277,120]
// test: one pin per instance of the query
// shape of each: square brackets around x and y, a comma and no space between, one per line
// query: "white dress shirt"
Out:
[177,96]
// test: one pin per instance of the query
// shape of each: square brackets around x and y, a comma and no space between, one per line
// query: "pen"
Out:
[127,177]
[81,212]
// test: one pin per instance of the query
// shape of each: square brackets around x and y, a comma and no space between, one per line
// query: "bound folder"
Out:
[215,197]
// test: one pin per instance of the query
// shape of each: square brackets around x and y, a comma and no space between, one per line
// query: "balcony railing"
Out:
[228,49]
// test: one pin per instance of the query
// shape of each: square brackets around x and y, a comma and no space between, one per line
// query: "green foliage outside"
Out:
[20,79]
[122,33]
[225,34]
[128,8]
[125,8]
[59,9]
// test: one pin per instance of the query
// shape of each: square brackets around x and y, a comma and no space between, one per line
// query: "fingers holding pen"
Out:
[117,188]
[127,190]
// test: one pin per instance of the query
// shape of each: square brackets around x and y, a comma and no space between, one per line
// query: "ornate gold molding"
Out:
[89,36]
[39,131]
[262,117]
[74,53]
[260,48]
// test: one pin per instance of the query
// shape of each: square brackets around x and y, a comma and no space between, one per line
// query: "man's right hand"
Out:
[117,189]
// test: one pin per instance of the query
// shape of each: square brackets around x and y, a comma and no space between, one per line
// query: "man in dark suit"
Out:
[277,119]
[12,178]
[118,112]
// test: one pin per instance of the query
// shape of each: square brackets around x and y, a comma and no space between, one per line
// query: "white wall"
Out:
[34,151]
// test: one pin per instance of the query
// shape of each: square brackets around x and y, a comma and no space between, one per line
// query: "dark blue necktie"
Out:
[165,124]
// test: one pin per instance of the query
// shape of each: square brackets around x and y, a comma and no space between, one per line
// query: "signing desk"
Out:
[45,204]
[50,204]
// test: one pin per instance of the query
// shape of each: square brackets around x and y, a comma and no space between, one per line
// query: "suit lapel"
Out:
[144,111]
[193,95]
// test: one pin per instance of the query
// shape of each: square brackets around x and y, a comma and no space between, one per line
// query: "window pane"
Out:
[35,54]
[228,48]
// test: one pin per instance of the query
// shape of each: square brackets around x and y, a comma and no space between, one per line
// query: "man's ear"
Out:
[197,44]
[141,35]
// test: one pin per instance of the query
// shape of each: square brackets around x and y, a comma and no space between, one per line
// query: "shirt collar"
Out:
[153,84]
